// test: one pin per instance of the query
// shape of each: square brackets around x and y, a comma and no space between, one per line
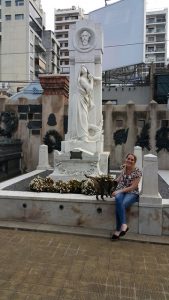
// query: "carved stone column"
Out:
[129,146]
[153,128]
[150,204]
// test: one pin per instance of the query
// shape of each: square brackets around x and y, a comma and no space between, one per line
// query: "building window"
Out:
[31,49]
[74,17]
[31,62]
[151,20]
[151,39]
[58,27]
[58,19]
[7,3]
[150,49]
[150,30]
[7,17]
[31,35]
[19,2]
[19,16]
[161,20]
[31,75]
[66,26]
[58,36]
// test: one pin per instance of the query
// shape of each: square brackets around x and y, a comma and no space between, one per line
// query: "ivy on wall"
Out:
[162,139]
[53,140]
[143,140]
[120,136]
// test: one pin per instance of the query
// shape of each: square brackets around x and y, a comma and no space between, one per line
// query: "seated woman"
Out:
[126,193]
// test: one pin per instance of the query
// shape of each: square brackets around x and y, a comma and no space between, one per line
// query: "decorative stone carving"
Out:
[85,119]
[84,39]
[80,128]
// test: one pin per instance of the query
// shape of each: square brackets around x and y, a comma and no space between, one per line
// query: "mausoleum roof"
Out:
[32,91]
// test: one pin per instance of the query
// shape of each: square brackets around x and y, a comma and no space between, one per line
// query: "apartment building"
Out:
[22,55]
[52,47]
[156,38]
[63,19]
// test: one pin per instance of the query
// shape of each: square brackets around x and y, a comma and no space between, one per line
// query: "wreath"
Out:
[10,123]
[143,140]
[53,140]
[120,136]
[162,139]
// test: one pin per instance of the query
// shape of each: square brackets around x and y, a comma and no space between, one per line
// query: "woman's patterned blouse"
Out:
[127,180]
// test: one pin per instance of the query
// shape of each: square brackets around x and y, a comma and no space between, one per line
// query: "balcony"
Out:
[38,45]
[155,50]
[155,21]
[160,49]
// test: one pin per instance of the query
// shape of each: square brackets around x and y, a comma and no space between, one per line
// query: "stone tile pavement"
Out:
[51,266]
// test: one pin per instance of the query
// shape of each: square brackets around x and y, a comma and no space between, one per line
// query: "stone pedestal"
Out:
[139,163]
[150,204]
[43,158]
[78,163]
[139,154]
[92,146]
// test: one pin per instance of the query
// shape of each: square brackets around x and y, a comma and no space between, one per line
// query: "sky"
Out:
[88,5]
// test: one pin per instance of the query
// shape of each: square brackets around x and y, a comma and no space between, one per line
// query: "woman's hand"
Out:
[116,192]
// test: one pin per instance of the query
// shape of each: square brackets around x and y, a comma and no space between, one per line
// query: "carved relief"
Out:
[84,40]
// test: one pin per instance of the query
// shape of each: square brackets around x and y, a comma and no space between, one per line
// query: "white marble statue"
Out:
[82,150]
[81,128]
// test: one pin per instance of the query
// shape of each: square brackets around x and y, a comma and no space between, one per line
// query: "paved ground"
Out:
[48,266]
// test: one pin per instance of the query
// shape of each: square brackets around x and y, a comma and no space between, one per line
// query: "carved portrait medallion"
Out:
[84,39]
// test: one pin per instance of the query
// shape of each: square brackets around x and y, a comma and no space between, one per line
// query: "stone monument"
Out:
[82,151]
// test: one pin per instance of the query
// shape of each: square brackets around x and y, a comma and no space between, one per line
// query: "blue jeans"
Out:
[123,201]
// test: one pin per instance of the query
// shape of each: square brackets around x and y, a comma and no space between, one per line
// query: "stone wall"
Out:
[128,125]
[122,94]
[38,116]
[124,125]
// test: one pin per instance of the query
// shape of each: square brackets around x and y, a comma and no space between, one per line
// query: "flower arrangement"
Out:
[39,184]
[87,187]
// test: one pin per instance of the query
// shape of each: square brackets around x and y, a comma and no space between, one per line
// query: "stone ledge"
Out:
[163,240]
